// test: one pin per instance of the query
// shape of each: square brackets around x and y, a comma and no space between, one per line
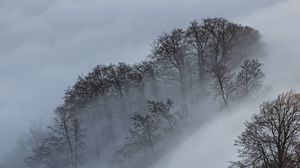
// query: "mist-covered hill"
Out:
[122,115]
[181,107]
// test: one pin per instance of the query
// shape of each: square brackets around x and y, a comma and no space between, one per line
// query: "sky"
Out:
[45,45]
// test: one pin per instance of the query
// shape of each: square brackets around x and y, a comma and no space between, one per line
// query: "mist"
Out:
[53,52]
[212,145]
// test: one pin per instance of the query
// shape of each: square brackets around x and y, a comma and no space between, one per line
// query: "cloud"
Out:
[45,44]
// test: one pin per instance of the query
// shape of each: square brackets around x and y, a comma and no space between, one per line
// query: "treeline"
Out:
[212,58]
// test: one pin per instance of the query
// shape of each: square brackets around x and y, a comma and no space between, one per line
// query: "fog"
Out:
[212,145]
[45,45]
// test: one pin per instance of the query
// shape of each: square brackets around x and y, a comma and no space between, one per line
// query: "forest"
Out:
[131,115]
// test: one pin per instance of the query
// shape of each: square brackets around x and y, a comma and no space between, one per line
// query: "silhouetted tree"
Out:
[141,74]
[50,153]
[223,84]
[271,138]
[64,139]
[142,134]
[149,127]
[118,77]
[222,35]
[170,52]
[199,38]
[250,76]
[247,45]
[165,111]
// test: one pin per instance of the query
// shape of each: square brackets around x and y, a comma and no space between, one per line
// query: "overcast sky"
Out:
[46,44]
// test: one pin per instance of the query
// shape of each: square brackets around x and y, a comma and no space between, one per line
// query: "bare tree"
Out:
[141,74]
[160,120]
[66,131]
[100,85]
[250,76]
[222,35]
[142,134]
[199,38]
[247,44]
[151,72]
[49,152]
[230,43]
[170,51]
[26,142]
[271,138]
[223,84]
[118,77]
[165,111]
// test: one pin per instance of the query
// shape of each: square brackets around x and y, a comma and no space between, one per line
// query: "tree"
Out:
[141,74]
[150,70]
[271,138]
[199,37]
[170,52]
[170,119]
[26,142]
[118,78]
[63,143]
[100,85]
[49,153]
[142,134]
[222,35]
[230,43]
[148,127]
[223,85]
[250,76]
[247,44]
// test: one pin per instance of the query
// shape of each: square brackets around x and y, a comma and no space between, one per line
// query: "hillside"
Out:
[125,115]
